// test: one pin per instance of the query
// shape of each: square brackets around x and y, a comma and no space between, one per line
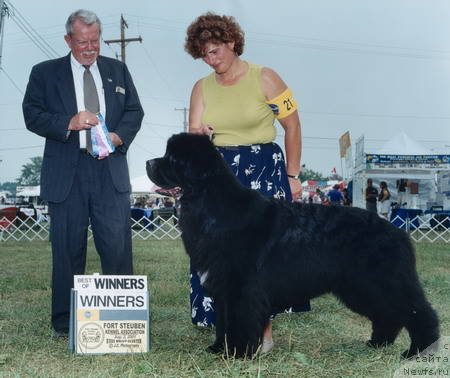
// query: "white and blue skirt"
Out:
[261,167]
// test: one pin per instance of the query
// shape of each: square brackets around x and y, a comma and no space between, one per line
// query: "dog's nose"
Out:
[149,166]
[149,163]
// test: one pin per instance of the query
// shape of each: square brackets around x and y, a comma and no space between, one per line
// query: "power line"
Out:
[351,43]
[28,29]
[315,43]
[368,115]
[144,149]
[165,99]
[161,124]
[158,72]
[12,81]
[15,38]
[20,148]
[15,129]
[353,50]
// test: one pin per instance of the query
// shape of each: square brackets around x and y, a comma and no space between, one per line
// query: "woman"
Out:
[236,105]
[383,199]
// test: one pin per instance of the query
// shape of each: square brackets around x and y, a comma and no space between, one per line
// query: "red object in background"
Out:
[9,213]
[7,217]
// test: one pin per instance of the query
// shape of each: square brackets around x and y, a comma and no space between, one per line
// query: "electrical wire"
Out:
[12,81]
[163,79]
[20,148]
[28,29]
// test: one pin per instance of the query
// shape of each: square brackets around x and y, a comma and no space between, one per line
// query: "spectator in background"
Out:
[347,197]
[401,191]
[335,196]
[371,195]
[384,199]
[318,196]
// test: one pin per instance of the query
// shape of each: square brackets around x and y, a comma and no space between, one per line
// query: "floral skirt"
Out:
[261,167]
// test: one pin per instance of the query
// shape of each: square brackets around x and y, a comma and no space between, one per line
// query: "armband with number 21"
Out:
[283,105]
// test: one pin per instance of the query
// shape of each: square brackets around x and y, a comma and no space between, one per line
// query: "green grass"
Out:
[327,342]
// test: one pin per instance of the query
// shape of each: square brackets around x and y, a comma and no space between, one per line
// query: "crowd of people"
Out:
[378,200]
[337,196]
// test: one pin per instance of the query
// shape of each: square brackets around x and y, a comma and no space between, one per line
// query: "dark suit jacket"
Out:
[50,103]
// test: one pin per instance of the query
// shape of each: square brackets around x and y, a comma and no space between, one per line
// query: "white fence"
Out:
[29,229]
[421,228]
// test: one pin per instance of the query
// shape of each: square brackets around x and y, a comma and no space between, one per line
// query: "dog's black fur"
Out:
[261,253]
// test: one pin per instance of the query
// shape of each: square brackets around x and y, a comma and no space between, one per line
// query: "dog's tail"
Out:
[423,328]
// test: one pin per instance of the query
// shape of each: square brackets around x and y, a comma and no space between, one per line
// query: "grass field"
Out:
[327,342]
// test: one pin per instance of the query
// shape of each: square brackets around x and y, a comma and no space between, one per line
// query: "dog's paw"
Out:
[410,353]
[216,348]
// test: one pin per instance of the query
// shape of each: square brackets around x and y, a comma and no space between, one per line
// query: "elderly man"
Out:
[67,101]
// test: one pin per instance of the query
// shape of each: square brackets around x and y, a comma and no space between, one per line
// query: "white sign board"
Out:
[109,314]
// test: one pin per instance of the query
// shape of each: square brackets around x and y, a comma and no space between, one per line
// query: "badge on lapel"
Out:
[120,90]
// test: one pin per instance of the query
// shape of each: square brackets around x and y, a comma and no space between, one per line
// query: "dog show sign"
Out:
[109,314]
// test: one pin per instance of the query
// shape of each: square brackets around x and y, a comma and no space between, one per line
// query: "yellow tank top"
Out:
[238,113]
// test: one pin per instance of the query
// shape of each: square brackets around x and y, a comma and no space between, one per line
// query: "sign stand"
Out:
[109,314]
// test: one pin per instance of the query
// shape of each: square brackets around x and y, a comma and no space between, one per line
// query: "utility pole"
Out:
[4,10]
[123,41]
[185,122]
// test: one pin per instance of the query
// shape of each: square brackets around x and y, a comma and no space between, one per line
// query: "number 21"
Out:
[288,104]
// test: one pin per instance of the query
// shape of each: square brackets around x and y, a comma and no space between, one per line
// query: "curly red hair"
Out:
[211,27]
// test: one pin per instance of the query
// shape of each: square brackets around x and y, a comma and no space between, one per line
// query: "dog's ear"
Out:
[197,158]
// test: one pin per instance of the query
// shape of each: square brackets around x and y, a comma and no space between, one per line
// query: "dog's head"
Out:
[190,160]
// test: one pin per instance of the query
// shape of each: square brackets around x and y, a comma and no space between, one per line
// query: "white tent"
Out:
[400,158]
[142,184]
[402,144]
[28,191]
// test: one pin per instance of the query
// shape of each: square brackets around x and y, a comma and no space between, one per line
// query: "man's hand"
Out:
[115,139]
[83,120]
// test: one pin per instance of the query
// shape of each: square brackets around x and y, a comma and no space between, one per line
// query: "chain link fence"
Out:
[429,228]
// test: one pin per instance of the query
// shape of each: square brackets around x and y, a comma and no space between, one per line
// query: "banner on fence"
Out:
[109,314]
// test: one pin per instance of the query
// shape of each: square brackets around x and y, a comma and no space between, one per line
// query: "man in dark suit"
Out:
[79,187]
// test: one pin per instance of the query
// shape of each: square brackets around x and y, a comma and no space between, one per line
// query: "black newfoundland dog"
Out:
[260,254]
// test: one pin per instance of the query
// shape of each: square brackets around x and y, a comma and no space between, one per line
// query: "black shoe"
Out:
[61,334]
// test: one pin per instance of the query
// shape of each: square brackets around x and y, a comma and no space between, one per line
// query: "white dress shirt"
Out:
[78,72]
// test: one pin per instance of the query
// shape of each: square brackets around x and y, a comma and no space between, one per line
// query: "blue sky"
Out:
[372,68]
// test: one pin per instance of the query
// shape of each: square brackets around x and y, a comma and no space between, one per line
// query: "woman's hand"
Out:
[202,130]
[296,188]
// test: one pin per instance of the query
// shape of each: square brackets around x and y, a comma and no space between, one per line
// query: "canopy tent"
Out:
[402,144]
[28,191]
[401,158]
